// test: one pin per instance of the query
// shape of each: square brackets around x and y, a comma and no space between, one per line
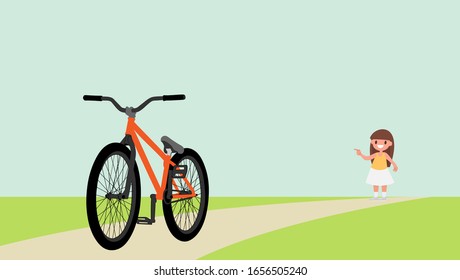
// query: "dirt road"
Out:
[222,228]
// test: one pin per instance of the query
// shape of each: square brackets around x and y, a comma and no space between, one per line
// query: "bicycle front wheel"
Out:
[112,216]
[185,217]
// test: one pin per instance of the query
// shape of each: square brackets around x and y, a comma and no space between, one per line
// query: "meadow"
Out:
[423,229]
[28,217]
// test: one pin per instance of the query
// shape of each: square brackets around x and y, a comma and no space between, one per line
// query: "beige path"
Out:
[221,228]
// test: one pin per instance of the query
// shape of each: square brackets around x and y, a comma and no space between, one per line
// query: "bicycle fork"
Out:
[127,140]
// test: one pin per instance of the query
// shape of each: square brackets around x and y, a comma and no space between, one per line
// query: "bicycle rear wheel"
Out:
[111,216]
[185,217]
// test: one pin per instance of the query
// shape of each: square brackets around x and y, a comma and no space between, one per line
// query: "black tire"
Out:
[185,217]
[112,220]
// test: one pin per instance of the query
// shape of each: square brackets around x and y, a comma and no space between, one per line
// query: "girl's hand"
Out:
[358,152]
[395,168]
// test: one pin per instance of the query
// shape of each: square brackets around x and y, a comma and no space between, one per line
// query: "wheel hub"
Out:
[111,196]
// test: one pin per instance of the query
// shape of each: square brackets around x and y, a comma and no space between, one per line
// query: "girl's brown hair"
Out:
[384,135]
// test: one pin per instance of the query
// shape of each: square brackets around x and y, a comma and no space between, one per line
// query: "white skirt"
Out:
[379,177]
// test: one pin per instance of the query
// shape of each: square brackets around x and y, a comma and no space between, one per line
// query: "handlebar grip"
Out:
[92,97]
[173,97]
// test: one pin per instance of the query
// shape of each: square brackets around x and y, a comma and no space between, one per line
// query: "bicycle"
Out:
[114,186]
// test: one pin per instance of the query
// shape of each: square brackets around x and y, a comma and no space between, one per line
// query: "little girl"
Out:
[381,153]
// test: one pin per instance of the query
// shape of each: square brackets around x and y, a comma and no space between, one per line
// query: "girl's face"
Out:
[381,144]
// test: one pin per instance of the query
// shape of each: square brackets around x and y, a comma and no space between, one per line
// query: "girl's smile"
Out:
[381,144]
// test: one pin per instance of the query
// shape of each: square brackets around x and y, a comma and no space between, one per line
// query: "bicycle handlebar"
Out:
[173,97]
[140,107]
[92,97]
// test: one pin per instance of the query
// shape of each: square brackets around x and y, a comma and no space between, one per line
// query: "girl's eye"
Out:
[385,142]
[375,142]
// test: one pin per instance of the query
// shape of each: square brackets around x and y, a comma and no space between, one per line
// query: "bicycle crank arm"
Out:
[147,220]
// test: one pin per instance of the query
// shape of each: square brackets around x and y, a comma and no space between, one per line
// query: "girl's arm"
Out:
[395,167]
[358,152]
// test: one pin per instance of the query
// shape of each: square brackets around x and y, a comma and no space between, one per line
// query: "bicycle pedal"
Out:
[179,171]
[145,221]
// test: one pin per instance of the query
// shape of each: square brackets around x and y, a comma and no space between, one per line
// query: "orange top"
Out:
[380,162]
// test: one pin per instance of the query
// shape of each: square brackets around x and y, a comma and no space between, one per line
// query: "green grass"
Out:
[28,217]
[425,229]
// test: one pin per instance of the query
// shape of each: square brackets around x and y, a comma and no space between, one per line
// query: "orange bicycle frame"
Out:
[133,130]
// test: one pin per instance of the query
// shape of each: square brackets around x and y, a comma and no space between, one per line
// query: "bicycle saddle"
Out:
[171,144]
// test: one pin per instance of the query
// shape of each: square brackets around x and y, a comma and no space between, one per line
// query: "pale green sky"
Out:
[278,94]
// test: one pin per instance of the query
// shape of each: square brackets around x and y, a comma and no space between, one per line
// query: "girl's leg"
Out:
[376,191]
[384,192]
